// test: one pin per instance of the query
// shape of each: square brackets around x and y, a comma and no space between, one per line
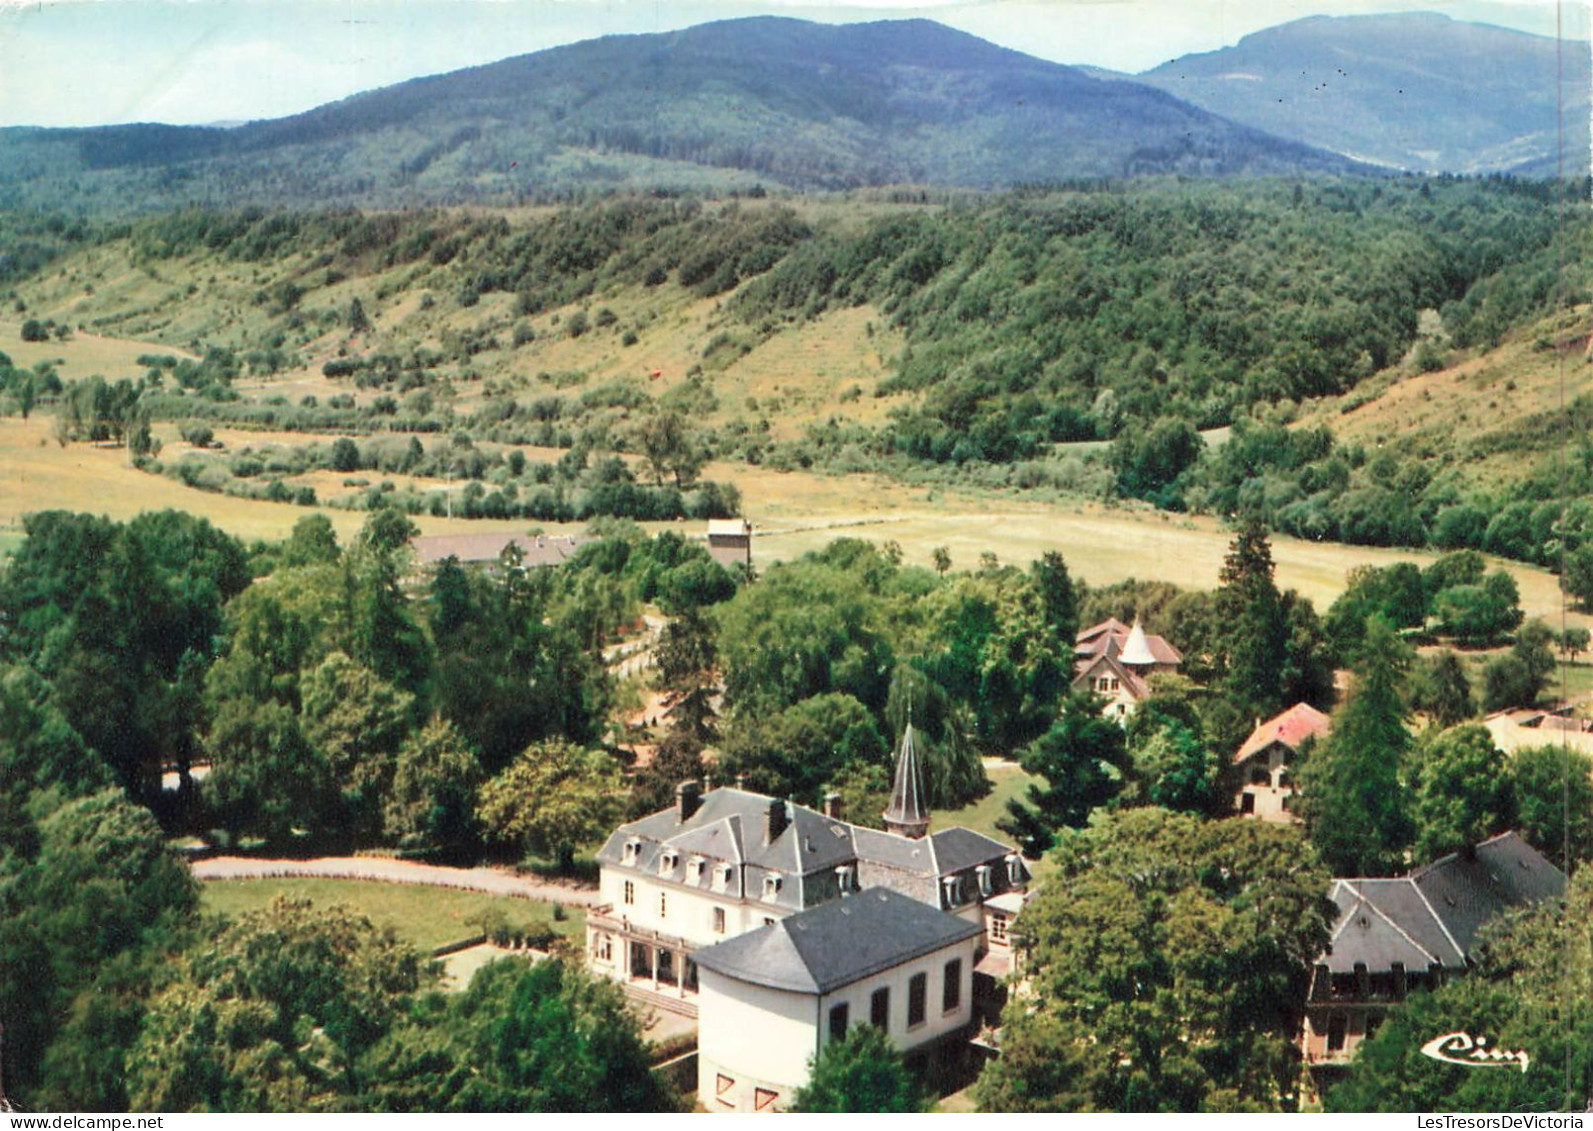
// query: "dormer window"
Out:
[721,879]
[952,887]
[986,884]
[667,862]
[694,869]
[633,850]
[846,878]
[1015,872]
[771,888]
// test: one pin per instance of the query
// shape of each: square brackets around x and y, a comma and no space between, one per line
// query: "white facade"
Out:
[755,1044]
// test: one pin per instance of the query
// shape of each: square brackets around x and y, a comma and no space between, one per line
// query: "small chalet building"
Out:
[1116,662]
[730,541]
[1263,764]
[760,917]
[1396,935]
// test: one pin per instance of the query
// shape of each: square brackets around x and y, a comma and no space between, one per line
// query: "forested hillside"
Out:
[970,338]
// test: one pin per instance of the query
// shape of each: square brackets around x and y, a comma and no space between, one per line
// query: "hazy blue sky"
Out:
[93,62]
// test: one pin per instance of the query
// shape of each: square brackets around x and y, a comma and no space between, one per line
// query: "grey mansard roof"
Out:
[838,943]
[728,828]
[1433,915]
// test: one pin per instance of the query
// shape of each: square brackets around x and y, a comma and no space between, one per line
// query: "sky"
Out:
[99,62]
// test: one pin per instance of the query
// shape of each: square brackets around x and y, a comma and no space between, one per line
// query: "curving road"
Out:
[491,881]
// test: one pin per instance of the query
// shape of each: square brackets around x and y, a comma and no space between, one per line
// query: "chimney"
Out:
[688,799]
[774,820]
[832,806]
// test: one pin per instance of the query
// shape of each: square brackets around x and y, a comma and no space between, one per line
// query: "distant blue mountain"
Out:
[1417,91]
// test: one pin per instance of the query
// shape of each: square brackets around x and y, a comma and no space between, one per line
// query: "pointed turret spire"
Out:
[908,814]
[1136,649]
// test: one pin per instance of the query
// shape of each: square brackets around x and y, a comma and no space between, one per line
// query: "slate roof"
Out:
[728,827]
[908,806]
[1291,728]
[837,943]
[1435,914]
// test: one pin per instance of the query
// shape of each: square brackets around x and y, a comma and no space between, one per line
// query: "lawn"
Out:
[1007,780]
[425,917]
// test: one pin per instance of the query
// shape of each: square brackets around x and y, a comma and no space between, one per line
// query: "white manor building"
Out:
[779,925]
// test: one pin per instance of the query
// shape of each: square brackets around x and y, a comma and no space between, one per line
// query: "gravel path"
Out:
[492,881]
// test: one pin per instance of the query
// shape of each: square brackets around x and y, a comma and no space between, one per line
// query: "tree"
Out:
[1175,769]
[1057,594]
[1350,791]
[1479,615]
[267,779]
[861,1072]
[669,447]
[1442,689]
[358,321]
[553,798]
[1083,759]
[273,1014]
[792,753]
[678,758]
[1578,577]
[356,721]
[1169,955]
[940,558]
[1461,791]
[1552,791]
[541,1038]
[312,542]
[431,808]
[34,331]
[1574,641]
[1251,648]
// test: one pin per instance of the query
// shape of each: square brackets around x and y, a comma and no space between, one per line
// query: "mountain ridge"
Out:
[795,104]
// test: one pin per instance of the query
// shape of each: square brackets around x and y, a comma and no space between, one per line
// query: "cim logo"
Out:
[1472,1052]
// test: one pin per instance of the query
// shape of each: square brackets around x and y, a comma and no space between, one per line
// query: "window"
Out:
[603,947]
[1336,1027]
[694,869]
[1106,684]
[763,1099]
[982,873]
[879,1008]
[663,905]
[667,862]
[721,877]
[998,928]
[768,921]
[630,891]
[951,988]
[719,920]
[846,878]
[839,1016]
[771,887]
[917,991]
[1015,872]
[633,849]
[953,889]
[723,1087]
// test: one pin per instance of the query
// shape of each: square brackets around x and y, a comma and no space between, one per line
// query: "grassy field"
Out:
[425,917]
[794,512]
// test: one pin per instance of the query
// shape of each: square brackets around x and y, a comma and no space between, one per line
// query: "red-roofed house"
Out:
[1116,661]
[1263,762]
